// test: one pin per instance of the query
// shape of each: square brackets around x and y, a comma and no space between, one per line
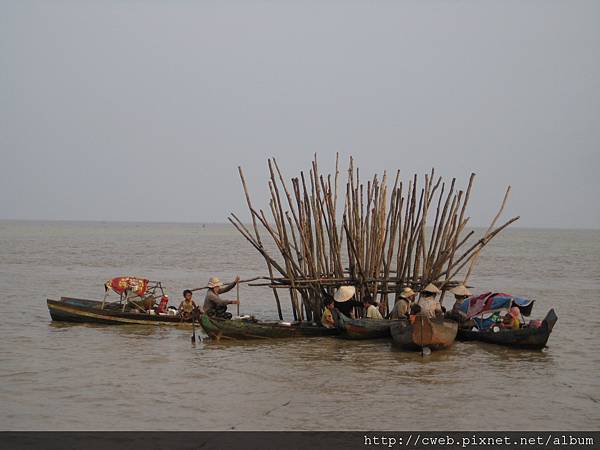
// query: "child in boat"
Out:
[187,306]
[327,317]
[512,319]
[414,310]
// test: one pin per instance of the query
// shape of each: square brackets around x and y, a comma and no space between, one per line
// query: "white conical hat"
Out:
[461,290]
[214,282]
[344,293]
[432,288]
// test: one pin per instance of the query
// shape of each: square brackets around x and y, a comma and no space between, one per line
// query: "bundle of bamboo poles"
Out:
[383,240]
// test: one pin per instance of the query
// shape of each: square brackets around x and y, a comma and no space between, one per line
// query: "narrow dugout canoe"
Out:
[69,309]
[435,333]
[363,328]
[248,329]
[524,338]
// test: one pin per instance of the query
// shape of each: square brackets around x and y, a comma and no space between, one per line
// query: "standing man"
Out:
[214,305]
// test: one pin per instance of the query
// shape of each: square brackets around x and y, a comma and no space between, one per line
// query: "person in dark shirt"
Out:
[215,305]
[344,300]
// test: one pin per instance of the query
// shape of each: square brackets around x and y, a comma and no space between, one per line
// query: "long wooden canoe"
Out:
[69,309]
[363,328]
[524,338]
[250,329]
[437,333]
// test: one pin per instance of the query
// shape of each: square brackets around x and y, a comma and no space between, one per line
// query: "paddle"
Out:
[241,281]
[238,299]
[193,330]
[194,314]
[425,351]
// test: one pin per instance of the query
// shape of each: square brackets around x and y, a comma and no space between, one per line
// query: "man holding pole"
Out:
[214,305]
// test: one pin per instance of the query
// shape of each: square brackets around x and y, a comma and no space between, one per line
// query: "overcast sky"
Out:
[142,110]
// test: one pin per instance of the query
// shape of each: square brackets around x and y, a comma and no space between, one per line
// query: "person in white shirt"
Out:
[428,303]
[371,308]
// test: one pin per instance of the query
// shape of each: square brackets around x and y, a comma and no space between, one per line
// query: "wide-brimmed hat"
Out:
[431,288]
[214,282]
[407,293]
[344,293]
[461,290]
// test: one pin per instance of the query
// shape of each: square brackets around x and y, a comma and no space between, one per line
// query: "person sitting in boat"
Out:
[344,300]
[512,319]
[370,306]
[461,293]
[327,317]
[214,305]
[187,306]
[428,303]
[402,307]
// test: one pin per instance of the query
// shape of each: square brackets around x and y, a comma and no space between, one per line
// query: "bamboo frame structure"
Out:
[380,243]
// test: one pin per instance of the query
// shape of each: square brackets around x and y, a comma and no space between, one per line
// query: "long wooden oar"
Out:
[238,299]
[193,330]
[194,313]
[241,281]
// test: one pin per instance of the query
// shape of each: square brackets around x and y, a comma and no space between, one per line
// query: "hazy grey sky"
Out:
[142,110]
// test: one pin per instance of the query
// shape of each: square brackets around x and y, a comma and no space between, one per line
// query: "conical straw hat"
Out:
[432,288]
[461,290]
[344,293]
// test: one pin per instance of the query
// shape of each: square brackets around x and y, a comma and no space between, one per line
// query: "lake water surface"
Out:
[93,377]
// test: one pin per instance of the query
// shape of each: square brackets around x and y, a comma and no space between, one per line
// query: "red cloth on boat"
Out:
[135,285]
[162,306]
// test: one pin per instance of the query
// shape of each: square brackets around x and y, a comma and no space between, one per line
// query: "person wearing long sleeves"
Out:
[214,305]
[430,306]
[402,307]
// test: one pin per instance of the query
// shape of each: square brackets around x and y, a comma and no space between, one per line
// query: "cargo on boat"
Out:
[531,338]
[136,305]
[482,312]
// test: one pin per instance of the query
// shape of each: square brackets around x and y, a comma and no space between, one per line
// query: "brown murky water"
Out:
[87,377]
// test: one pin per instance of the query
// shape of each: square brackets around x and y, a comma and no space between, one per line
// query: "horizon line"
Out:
[155,222]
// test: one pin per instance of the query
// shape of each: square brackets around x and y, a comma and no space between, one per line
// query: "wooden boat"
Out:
[363,328]
[69,309]
[524,338]
[436,334]
[252,329]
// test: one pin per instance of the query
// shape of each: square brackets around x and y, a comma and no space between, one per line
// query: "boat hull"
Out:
[435,334]
[90,311]
[242,329]
[364,328]
[523,338]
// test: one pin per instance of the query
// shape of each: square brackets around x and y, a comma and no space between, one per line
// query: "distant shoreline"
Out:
[128,222]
